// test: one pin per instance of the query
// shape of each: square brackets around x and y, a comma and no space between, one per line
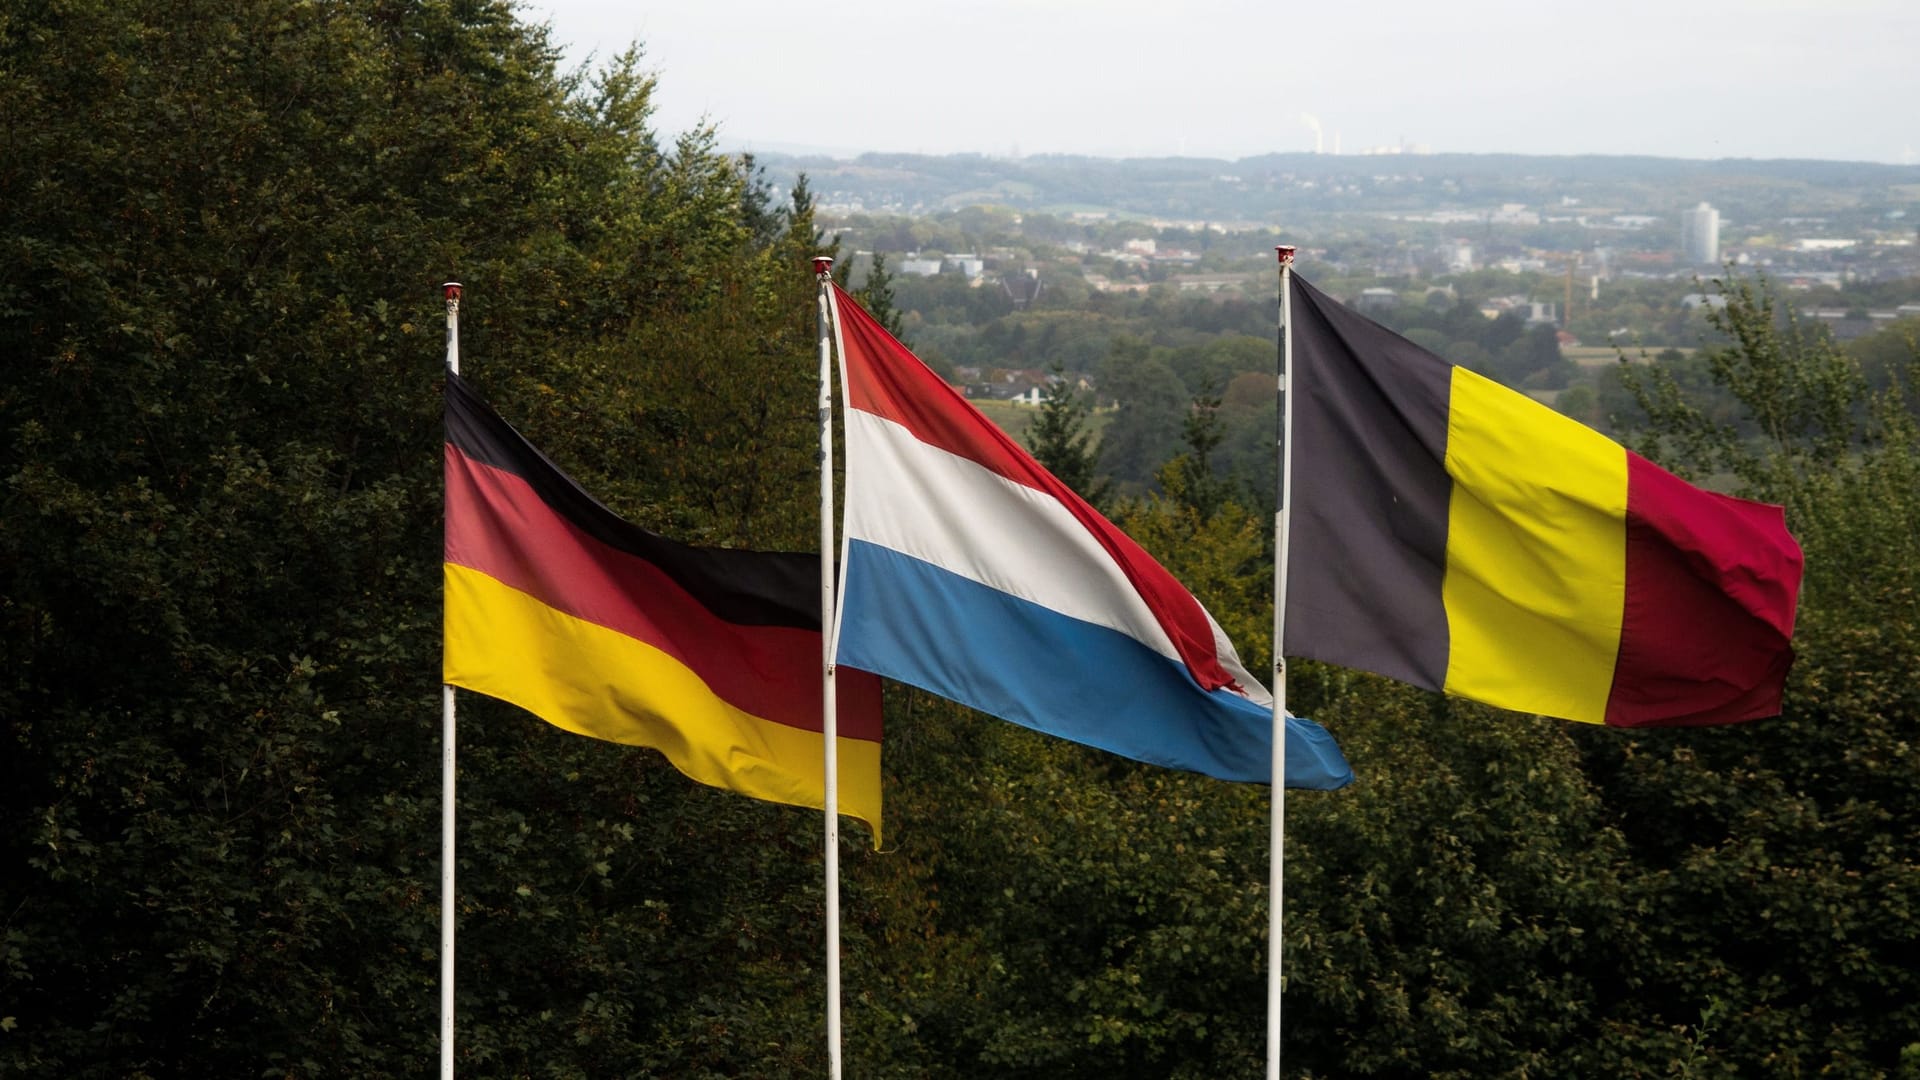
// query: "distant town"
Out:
[1571,229]
[1149,288]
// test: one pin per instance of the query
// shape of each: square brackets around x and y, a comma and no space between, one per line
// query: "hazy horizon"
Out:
[729,144]
[1705,79]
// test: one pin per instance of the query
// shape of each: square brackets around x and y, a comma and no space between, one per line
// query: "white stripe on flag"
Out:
[952,512]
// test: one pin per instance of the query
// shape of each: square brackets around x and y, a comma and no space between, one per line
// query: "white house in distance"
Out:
[966,264]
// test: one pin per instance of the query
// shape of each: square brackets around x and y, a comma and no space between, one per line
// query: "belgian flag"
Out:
[1459,536]
[711,656]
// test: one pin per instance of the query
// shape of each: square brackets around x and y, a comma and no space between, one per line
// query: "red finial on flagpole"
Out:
[451,290]
[822,265]
[1285,251]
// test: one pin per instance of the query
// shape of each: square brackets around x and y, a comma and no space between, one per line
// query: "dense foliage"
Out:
[224,231]
[221,235]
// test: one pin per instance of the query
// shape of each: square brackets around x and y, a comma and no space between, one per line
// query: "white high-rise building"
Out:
[1700,235]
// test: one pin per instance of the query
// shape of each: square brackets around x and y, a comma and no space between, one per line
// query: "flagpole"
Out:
[1282,521]
[829,720]
[452,291]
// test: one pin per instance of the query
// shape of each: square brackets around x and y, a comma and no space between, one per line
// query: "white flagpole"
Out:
[452,291]
[840,585]
[829,719]
[1276,977]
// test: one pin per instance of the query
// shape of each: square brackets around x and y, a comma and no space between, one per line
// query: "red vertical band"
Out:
[1712,582]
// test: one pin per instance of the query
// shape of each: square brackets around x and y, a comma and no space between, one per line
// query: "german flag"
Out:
[711,656]
[1459,536]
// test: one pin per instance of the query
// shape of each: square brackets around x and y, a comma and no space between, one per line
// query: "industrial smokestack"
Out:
[1313,122]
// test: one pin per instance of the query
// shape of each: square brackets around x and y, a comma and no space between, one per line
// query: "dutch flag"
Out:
[971,572]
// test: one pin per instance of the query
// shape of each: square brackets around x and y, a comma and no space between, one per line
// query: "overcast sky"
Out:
[1834,79]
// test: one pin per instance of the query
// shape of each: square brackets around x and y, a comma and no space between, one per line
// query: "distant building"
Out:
[1521,264]
[1514,214]
[1377,299]
[1700,235]
[1531,312]
[1022,387]
[1025,287]
[1849,323]
[1210,283]
[919,267]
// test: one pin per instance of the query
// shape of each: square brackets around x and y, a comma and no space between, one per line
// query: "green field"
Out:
[1015,419]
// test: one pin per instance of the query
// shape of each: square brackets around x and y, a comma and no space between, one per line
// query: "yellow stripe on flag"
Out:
[1536,554]
[598,682]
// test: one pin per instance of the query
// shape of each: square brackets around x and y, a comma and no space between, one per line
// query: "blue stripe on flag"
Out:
[915,622]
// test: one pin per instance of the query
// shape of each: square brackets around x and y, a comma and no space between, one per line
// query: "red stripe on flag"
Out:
[887,380]
[497,525]
[1712,582]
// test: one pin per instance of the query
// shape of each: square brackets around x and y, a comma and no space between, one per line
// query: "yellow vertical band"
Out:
[1536,554]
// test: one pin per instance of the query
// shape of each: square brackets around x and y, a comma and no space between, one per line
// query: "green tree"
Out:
[221,232]
[1581,403]
[1190,477]
[1062,442]
[876,295]
[1459,911]
[1773,848]
[1145,428]
[758,216]
[1883,352]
